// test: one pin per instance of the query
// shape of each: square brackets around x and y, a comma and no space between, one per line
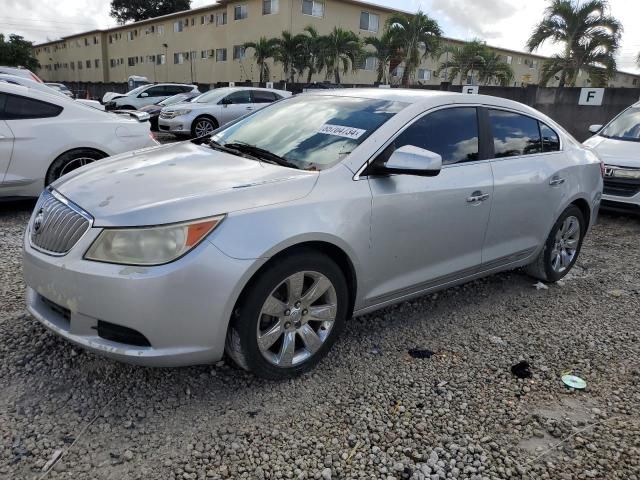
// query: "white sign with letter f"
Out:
[591,97]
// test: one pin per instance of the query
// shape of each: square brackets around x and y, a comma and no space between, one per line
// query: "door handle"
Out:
[477,197]
[555,181]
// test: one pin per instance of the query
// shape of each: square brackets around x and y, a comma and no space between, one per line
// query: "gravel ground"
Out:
[370,410]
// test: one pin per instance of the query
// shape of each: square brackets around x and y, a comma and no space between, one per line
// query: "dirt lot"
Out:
[370,410]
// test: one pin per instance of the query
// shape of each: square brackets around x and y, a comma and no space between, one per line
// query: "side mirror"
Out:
[410,160]
[144,95]
[595,128]
[225,102]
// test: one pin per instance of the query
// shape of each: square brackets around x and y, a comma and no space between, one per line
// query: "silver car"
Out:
[215,108]
[264,239]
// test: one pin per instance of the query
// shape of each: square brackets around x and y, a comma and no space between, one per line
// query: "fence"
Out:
[561,104]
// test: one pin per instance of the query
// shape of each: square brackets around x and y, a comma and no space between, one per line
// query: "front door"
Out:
[235,105]
[429,231]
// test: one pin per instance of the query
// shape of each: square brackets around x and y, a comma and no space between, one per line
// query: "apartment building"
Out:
[204,45]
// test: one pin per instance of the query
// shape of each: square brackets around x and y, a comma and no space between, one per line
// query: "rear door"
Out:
[234,105]
[531,178]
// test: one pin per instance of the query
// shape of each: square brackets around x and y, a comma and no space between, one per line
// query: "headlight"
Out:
[178,113]
[150,246]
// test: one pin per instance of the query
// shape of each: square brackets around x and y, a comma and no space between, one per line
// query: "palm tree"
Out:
[418,36]
[312,58]
[590,36]
[493,69]
[288,53]
[341,50]
[461,60]
[638,60]
[263,49]
[385,50]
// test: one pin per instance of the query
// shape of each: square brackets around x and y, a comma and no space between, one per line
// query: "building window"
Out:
[160,30]
[86,42]
[130,35]
[96,63]
[73,66]
[193,21]
[79,65]
[315,8]
[369,22]
[398,72]
[88,63]
[238,52]
[269,7]
[204,54]
[161,59]
[221,18]
[534,64]
[112,62]
[240,12]
[509,59]
[131,61]
[424,74]
[178,58]
[177,26]
[221,55]
[370,64]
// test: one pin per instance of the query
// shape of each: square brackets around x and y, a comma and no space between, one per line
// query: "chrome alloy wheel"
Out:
[566,244]
[296,319]
[203,128]
[75,163]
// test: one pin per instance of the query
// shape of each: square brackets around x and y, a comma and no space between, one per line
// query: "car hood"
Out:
[112,96]
[616,152]
[179,182]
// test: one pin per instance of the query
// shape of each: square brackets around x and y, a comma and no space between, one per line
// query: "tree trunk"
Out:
[405,75]
[261,65]
[310,75]
[337,75]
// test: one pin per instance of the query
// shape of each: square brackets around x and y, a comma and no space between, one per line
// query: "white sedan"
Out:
[44,136]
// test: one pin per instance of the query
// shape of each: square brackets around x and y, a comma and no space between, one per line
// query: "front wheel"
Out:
[562,247]
[202,127]
[290,317]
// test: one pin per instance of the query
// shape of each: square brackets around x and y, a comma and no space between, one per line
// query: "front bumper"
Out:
[182,308]
[621,195]
[179,125]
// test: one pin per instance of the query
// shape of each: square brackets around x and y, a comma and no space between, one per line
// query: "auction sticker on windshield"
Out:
[342,131]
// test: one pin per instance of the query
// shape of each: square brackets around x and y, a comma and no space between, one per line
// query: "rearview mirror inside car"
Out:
[595,128]
[410,160]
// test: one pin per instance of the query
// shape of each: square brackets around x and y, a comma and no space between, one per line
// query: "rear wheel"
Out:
[71,160]
[290,317]
[203,126]
[562,247]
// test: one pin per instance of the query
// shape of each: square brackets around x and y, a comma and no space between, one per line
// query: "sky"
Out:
[501,23]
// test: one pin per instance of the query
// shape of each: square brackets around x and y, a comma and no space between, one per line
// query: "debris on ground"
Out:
[522,370]
[541,286]
[574,382]
[420,353]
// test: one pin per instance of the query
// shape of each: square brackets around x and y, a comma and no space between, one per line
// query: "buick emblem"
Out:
[37,222]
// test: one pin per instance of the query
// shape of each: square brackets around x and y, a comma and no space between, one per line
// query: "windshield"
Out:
[181,97]
[311,132]
[210,96]
[625,127]
[136,91]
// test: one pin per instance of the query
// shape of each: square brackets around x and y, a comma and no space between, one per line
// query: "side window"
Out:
[514,134]
[550,139]
[452,133]
[158,91]
[260,96]
[20,108]
[243,96]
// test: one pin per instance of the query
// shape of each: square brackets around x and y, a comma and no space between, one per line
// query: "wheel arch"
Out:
[584,207]
[93,149]
[331,250]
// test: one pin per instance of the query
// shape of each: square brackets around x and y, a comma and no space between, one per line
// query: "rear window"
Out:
[260,96]
[17,107]
[514,134]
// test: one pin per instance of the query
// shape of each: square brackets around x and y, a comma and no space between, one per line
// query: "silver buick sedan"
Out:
[263,239]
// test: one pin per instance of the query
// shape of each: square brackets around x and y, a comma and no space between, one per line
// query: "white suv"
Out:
[46,135]
[147,95]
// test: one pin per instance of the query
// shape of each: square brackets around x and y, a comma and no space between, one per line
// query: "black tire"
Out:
[242,338]
[64,163]
[203,120]
[542,268]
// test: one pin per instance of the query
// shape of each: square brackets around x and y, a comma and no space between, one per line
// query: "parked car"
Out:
[43,87]
[134,81]
[62,88]
[266,239]
[214,109]
[46,135]
[618,144]
[154,110]
[20,72]
[147,95]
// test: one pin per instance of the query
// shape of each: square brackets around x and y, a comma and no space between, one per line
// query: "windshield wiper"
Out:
[233,151]
[261,153]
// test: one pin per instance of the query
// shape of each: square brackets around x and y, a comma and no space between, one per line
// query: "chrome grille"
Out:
[56,226]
